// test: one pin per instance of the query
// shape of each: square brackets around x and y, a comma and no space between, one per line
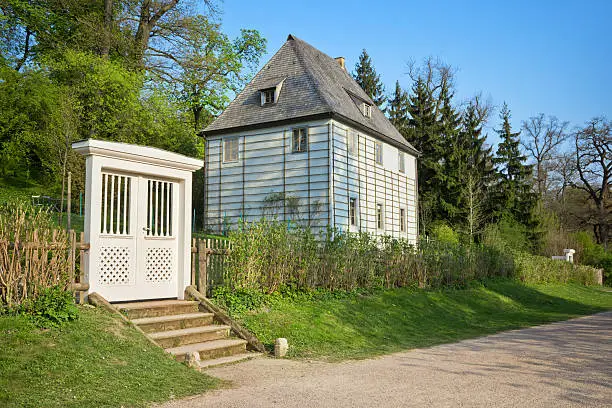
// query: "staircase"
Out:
[180,328]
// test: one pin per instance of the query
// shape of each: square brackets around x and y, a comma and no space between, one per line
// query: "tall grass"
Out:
[268,255]
[33,255]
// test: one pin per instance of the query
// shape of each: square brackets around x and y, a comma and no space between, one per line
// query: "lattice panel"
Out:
[115,266]
[160,265]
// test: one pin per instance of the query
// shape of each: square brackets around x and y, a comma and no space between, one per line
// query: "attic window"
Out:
[367,110]
[267,96]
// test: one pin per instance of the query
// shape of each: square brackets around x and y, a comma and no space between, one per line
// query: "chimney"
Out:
[340,61]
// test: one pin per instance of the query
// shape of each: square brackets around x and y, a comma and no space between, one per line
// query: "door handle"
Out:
[146,229]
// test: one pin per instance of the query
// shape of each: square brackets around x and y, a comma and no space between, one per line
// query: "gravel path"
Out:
[566,364]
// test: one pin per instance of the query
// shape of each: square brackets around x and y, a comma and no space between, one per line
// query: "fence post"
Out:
[202,263]
[69,203]
[81,266]
[193,262]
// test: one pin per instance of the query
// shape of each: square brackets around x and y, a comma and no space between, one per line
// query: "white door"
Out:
[138,238]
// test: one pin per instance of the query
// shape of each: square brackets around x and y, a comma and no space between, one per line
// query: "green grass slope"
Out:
[400,319]
[95,361]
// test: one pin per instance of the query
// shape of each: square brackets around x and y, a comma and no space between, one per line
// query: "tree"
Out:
[593,145]
[471,170]
[541,138]
[398,109]
[513,187]
[369,80]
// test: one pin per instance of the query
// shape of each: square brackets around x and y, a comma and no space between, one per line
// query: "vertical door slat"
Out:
[104,201]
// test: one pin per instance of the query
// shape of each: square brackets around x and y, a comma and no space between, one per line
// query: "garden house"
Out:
[304,143]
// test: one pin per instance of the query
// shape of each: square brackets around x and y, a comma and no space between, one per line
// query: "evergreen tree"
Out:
[513,189]
[448,179]
[398,109]
[369,80]
[472,172]
[423,133]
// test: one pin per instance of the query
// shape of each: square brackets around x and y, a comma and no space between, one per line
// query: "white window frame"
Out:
[378,152]
[353,212]
[225,144]
[264,96]
[297,148]
[401,158]
[367,110]
[380,216]
[402,219]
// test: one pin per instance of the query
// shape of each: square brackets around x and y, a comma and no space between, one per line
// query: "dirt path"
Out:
[566,364]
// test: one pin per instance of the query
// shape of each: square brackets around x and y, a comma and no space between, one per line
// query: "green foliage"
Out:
[441,232]
[398,109]
[539,269]
[238,300]
[507,235]
[513,194]
[369,80]
[595,255]
[52,307]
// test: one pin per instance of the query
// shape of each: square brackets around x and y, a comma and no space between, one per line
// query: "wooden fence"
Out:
[40,261]
[208,257]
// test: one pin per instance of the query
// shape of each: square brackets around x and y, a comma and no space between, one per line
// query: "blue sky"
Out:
[553,57]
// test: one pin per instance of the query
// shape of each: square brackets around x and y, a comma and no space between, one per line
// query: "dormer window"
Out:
[267,96]
[367,110]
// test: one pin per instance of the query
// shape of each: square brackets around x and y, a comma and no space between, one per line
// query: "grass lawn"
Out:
[400,319]
[95,361]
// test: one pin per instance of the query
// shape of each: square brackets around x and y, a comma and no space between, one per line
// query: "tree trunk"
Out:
[108,28]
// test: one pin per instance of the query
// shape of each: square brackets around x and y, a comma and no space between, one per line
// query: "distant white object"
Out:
[280,347]
[569,256]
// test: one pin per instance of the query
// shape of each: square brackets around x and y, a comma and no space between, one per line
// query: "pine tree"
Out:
[513,189]
[398,109]
[447,180]
[472,164]
[423,133]
[369,80]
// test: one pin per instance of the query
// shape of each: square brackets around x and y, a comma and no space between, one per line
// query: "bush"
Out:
[590,253]
[444,234]
[267,256]
[539,269]
[507,235]
[52,307]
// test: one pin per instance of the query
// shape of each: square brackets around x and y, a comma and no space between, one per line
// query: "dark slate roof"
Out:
[315,85]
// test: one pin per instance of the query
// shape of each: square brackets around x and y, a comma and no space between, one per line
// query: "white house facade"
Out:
[304,143]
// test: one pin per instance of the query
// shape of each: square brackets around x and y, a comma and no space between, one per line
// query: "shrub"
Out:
[444,234]
[539,269]
[52,307]
[591,253]
[267,255]
[507,235]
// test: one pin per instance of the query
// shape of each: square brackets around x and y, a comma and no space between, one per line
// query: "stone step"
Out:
[180,337]
[210,349]
[236,358]
[156,308]
[173,322]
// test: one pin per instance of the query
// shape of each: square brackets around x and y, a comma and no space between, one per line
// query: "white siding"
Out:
[359,176]
[267,166]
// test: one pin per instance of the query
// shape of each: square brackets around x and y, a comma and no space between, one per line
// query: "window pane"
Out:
[378,152]
[300,140]
[402,219]
[402,164]
[230,149]
[353,211]
[379,216]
